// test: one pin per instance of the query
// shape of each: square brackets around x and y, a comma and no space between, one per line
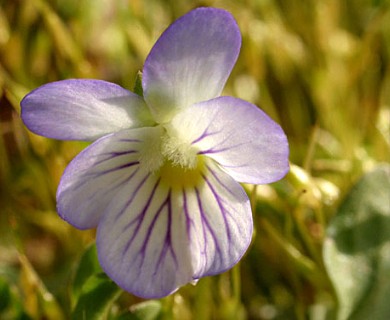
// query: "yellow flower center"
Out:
[175,160]
[177,177]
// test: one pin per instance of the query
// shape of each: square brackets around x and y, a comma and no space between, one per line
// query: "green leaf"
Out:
[11,299]
[88,266]
[357,249]
[93,293]
[96,298]
[5,295]
[147,310]
[138,85]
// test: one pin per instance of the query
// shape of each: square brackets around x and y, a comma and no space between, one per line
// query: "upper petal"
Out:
[191,61]
[93,178]
[250,146]
[82,109]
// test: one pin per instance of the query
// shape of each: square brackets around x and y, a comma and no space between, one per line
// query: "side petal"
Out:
[191,61]
[247,143]
[93,178]
[219,222]
[82,109]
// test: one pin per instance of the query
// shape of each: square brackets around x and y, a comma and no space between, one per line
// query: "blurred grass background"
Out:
[320,68]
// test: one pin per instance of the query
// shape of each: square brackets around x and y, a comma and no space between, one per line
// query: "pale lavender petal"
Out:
[191,61]
[142,242]
[93,178]
[82,109]
[155,238]
[247,143]
[219,222]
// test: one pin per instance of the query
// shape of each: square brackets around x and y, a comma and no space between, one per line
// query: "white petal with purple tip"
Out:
[82,109]
[191,61]
[93,178]
[247,143]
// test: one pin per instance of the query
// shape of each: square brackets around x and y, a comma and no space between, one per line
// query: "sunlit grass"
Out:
[319,68]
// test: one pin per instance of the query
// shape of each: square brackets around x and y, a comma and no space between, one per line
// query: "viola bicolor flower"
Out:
[161,179]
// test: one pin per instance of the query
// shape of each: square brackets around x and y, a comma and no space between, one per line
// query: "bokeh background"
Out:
[320,68]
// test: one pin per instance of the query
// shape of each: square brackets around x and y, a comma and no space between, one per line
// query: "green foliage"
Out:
[319,68]
[96,297]
[94,294]
[138,85]
[357,249]
[87,267]
[148,310]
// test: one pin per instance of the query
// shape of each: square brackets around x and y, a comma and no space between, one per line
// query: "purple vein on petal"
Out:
[115,168]
[168,238]
[112,155]
[130,140]
[223,185]
[121,167]
[220,206]
[126,181]
[93,175]
[119,153]
[139,217]
[87,177]
[206,224]
[189,221]
[131,199]
[204,135]
[213,173]
[204,252]
[229,166]
[151,226]
[119,183]
[213,151]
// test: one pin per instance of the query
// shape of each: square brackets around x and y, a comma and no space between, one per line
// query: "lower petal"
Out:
[155,238]
[142,242]
[219,222]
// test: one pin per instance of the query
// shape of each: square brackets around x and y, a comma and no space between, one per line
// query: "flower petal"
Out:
[82,109]
[219,222]
[141,240]
[155,238]
[93,178]
[191,61]
[247,143]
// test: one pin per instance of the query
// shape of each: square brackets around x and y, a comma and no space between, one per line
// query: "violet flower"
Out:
[161,179]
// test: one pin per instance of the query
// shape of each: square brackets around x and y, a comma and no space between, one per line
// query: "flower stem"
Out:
[303,263]
[236,283]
